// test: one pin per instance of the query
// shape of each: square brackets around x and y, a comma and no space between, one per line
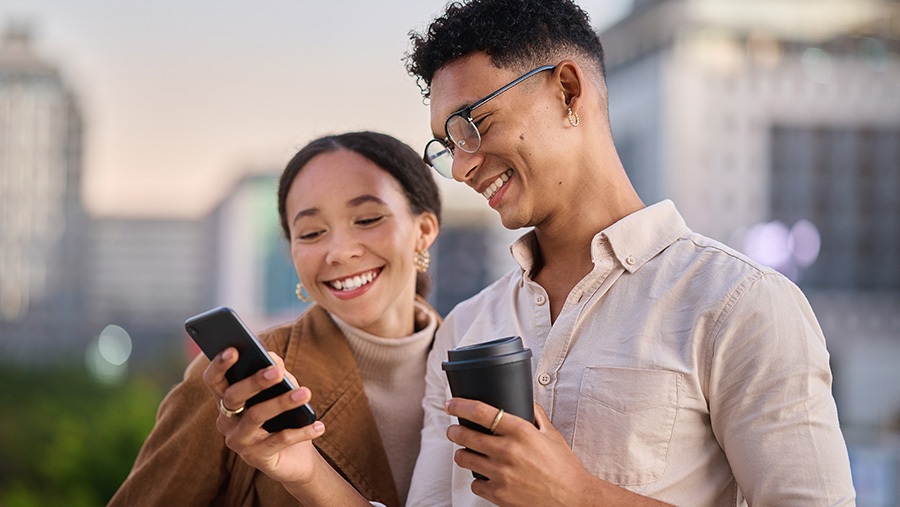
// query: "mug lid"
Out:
[499,347]
[486,354]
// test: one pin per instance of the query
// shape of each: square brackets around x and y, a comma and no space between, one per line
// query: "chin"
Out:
[357,317]
[513,222]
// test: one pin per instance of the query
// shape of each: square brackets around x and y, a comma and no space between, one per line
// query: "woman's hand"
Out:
[286,456]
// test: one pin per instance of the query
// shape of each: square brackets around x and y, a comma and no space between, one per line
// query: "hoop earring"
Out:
[300,296]
[573,118]
[422,260]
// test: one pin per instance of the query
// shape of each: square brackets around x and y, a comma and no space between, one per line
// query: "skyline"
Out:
[180,101]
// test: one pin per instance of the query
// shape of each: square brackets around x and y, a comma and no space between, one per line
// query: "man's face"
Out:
[519,158]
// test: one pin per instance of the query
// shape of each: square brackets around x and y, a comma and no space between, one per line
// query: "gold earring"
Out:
[573,118]
[422,260]
[300,296]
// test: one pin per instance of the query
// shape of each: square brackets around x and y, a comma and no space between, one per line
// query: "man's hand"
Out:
[527,464]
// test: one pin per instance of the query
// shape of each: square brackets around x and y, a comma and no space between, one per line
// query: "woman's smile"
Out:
[348,287]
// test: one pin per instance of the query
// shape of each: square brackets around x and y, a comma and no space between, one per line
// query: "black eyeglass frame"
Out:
[466,114]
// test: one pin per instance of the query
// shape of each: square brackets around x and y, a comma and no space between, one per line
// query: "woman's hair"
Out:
[390,154]
[515,33]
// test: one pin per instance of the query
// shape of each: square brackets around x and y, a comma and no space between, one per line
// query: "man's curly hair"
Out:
[515,33]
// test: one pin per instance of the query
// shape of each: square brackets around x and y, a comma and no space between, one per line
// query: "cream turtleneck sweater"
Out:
[393,374]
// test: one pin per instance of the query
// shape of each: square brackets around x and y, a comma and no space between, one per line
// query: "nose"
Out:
[343,247]
[464,165]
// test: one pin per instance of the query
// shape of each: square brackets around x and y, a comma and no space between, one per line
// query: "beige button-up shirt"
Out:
[678,369]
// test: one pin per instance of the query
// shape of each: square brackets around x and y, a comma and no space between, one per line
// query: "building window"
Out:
[846,181]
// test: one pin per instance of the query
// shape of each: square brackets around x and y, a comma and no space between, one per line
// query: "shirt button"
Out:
[540,299]
[544,379]
[630,260]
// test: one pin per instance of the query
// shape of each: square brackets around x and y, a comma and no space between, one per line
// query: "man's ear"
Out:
[571,83]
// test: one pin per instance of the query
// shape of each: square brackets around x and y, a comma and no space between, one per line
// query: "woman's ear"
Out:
[571,82]
[427,224]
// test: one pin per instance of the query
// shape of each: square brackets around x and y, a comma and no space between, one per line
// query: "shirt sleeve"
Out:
[431,481]
[184,459]
[770,400]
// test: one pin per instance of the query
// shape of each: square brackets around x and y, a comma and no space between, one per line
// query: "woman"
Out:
[360,211]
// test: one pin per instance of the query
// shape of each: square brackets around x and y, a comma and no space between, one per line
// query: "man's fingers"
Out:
[478,412]
[540,417]
[474,461]
[542,421]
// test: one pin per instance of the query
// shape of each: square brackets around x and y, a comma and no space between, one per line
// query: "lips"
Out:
[354,282]
[491,190]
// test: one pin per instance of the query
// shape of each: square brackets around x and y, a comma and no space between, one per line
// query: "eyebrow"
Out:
[359,201]
[462,108]
[352,203]
[305,213]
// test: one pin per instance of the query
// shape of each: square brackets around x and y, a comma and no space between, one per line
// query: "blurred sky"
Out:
[181,97]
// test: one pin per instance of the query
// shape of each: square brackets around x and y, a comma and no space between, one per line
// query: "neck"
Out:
[601,195]
[398,320]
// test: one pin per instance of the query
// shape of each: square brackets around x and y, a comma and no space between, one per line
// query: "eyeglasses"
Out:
[462,132]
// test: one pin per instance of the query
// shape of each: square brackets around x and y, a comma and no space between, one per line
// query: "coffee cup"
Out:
[496,372]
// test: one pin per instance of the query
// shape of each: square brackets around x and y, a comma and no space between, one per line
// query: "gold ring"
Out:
[227,412]
[496,421]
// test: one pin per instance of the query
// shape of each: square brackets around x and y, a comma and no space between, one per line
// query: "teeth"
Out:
[495,186]
[354,282]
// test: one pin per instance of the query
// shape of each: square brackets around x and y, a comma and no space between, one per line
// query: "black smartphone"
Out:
[216,330]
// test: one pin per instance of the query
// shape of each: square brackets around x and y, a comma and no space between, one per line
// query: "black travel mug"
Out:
[497,372]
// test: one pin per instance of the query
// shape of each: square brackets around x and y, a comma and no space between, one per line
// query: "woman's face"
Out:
[353,238]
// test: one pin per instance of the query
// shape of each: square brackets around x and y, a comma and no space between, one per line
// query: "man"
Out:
[667,367]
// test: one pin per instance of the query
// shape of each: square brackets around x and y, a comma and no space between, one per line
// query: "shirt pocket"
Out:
[624,423]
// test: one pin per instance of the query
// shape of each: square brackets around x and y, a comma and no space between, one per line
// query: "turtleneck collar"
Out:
[386,359]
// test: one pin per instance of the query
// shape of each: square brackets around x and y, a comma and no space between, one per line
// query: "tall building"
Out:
[252,268]
[42,223]
[778,113]
[147,275]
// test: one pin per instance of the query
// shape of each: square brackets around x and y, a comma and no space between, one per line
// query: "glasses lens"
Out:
[439,157]
[463,133]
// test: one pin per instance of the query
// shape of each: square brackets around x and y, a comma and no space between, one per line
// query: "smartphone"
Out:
[216,330]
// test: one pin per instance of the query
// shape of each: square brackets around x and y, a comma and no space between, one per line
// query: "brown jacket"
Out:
[185,462]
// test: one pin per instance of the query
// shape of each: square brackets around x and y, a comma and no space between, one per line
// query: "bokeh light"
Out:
[114,344]
[774,244]
[817,65]
[874,53]
[804,243]
[768,244]
[106,357]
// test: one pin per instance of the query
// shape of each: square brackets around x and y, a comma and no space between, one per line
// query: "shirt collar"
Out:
[642,235]
[634,240]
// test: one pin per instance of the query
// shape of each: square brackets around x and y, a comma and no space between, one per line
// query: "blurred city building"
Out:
[147,276]
[252,268]
[774,125]
[41,216]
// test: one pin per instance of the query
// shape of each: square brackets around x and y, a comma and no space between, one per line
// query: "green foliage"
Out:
[66,439]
